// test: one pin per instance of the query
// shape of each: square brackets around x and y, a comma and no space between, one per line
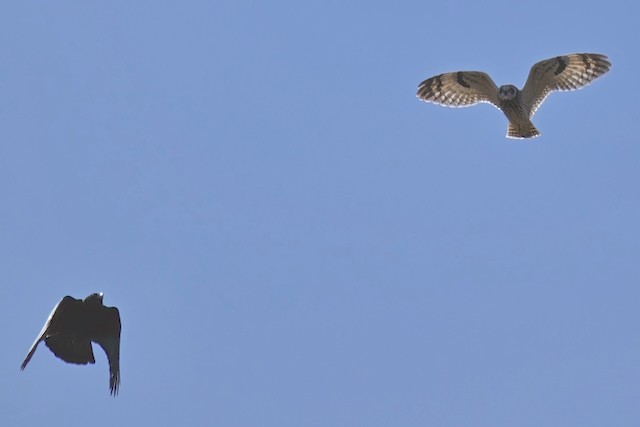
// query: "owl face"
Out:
[507,92]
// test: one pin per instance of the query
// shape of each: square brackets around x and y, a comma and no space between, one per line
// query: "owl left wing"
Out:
[459,89]
[567,72]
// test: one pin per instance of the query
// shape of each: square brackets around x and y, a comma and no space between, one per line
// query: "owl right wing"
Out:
[459,89]
[566,72]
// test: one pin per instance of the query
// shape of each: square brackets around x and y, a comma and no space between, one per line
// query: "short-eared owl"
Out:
[465,88]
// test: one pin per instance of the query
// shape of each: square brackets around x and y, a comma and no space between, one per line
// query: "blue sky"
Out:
[293,239]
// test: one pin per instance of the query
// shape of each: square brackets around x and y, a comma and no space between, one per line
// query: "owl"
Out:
[466,88]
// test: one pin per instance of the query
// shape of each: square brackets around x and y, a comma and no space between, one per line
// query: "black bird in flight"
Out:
[71,327]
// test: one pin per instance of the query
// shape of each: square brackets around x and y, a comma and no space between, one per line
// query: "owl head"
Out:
[507,92]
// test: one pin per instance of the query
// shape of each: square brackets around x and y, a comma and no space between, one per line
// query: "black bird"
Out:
[71,327]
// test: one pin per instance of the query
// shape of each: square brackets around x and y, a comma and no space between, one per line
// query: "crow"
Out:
[71,327]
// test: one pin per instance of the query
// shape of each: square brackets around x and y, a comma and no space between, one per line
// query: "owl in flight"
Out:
[71,327]
[465,88]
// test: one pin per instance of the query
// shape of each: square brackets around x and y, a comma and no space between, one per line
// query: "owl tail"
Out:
[523,130]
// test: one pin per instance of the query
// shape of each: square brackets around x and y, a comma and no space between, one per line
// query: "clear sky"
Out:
[293,239]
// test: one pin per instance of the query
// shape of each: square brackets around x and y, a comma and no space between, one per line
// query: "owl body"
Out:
[466,88]
[512,104]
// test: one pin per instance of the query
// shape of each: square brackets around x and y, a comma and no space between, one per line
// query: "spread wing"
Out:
[71,348]
[459,89]
[107,335]
[567,72]
[60,334]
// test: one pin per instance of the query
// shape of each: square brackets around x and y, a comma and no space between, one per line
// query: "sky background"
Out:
[294,239]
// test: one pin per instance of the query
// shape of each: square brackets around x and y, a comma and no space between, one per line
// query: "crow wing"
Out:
[61,335]
[107,335]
